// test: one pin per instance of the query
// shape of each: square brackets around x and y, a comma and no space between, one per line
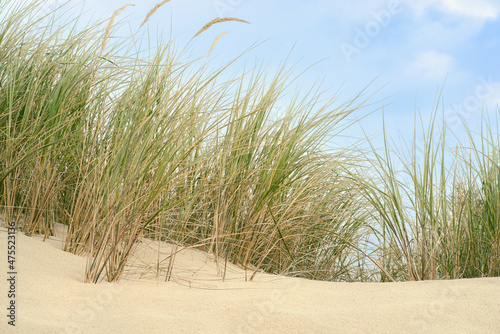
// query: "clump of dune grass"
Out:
[480,210]
[118,147]
[438,217]
[48,87]
[120,144]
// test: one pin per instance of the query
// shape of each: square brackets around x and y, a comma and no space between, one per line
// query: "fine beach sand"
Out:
[52,298]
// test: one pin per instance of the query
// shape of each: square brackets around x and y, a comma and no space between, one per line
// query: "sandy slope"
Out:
[52,298]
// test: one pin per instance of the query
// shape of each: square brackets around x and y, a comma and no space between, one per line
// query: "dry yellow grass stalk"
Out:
[106,35]
[152,11]
[216,41]
[218,20]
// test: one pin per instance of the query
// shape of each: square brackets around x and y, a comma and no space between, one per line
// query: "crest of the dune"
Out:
[52,298]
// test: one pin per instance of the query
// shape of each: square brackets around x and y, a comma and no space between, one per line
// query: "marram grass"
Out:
[119,147]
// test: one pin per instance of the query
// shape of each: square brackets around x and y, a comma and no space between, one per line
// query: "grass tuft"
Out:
[120,147]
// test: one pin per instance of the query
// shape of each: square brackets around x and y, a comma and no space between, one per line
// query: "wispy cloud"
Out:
[431,66]
[478,9]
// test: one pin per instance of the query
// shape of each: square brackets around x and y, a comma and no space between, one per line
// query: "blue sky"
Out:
[412,48]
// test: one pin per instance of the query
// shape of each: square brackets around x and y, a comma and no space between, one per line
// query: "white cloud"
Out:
[443,35]
[479,9]
[362,9]
[431,66]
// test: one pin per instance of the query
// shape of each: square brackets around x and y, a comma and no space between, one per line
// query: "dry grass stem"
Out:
[108,29]
[216,41]
[152,11]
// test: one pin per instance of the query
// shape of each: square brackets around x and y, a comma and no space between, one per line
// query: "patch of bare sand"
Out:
[52,298]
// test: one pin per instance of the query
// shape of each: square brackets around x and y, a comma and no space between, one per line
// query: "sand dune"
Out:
[52,298]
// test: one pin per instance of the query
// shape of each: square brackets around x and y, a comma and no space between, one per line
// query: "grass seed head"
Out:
[152,11]
[218,20]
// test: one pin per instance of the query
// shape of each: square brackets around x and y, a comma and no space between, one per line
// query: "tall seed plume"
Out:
[106,34]
[218,20]
[152,11]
